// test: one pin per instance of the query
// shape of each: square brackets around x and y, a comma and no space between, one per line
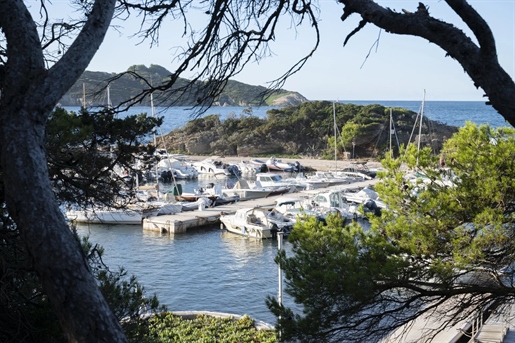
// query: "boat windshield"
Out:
[276,177]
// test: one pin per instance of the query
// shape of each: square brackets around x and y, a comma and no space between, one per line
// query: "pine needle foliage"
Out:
[444,247]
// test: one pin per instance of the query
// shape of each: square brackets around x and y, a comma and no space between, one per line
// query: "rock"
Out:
[290,99]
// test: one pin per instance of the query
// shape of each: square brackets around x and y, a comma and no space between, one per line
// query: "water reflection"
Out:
[203,269]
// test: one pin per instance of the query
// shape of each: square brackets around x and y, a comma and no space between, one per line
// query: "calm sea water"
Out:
[454,113]
[210,269]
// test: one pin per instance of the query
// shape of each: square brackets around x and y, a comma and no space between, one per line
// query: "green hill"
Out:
[305,130]
[91,86]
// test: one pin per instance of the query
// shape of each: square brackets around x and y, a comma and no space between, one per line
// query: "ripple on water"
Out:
[204,269]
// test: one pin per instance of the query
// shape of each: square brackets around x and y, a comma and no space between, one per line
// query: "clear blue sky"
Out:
[399,69]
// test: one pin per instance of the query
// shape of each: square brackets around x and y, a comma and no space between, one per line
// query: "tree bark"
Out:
[28,95]
[479,61]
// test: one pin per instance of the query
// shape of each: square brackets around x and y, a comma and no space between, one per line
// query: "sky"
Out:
[398,68]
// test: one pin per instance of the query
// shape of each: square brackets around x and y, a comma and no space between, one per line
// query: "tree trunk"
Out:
[29,93]
[479,61]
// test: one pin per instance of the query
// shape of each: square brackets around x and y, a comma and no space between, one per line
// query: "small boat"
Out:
[366,197]
[133,214]
[333,201]
[296,208]
[245,192]
[359,169]
[194,196]
[222,197]
[213,167]
[331,179]
[260,165]
[256,223]
[274,164]
[307,183]
[247,168]
[276,182]
[179,169]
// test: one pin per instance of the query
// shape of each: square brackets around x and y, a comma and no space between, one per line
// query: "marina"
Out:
[192,265]
[183,221]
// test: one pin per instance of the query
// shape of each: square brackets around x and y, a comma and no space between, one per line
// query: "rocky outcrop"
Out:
[290,131]
[290,99]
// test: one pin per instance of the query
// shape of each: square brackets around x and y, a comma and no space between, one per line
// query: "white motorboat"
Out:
[213,167]
[333,200]
[245,192]
[307,183]
[359,169]
[179,169]
[330,178]
[133,214]
[260,165]
[364,195]
[274,164]
[275,181]
[247,168]
[256,223]
[295,208]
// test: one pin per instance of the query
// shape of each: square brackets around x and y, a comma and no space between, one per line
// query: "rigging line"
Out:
[395,132]
[431,132]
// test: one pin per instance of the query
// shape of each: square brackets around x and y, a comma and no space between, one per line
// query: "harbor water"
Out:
[210,269]
[206,269]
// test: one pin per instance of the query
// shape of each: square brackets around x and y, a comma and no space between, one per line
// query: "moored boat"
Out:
[213,166]
[256,223]
[245,192]
[133,214]
[275,181]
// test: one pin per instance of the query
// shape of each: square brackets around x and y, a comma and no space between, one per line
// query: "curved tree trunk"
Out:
[29,93]
[479,61]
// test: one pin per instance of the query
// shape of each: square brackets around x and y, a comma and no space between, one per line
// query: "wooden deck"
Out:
[427,329]
[499,327]
[181,222]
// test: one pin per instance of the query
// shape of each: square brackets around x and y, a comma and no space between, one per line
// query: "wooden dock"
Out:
[181,222]
[499,327]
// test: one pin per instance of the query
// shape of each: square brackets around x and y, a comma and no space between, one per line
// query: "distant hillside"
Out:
[235,93]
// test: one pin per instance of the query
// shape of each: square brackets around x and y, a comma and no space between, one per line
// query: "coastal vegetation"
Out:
[82,149]
[307,129]
[443,247]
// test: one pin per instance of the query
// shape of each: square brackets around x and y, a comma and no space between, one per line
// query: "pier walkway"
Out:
[181,222]
[499,327]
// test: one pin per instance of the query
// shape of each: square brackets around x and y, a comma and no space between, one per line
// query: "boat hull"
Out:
[248,230]
[105,217]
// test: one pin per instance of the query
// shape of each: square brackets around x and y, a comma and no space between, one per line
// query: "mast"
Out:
[391,131]
[335,140]
[153,115]
[420,124]
[83,95]
[155,144]
[109,104]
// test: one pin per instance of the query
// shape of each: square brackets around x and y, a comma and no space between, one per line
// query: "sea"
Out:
[209,269]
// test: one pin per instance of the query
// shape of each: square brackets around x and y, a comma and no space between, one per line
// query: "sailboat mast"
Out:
[83,95]
[391,129]
[153,115]
[420,124]
[335,140]
[155,144]
[109,105]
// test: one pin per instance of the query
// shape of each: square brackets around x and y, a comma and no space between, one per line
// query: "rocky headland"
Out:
[306,131]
